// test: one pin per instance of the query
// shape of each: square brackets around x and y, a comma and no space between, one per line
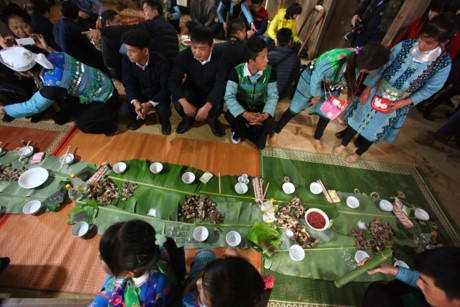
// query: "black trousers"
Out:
[255,133]
[363,144]
[198,101]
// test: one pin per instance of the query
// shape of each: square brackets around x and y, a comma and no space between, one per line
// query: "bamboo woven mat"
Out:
[44,136]
[45,256]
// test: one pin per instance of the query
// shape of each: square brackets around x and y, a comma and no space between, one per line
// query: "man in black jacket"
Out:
[200,96]
[145,77]
[285,62]
[163,36]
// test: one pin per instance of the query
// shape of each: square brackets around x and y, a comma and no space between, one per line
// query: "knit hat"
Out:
[137,38]
[20,59]
[293,9]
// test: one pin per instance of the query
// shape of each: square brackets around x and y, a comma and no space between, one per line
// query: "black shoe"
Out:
[216,129]
[36,118]
[7,118]
[4,261]
[135,125]
[183,127]
[340,134]
[166,128]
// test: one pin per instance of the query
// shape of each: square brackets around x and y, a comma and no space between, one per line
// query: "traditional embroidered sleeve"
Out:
[176,15]
[408,276]
[220,14]
[230,95]
[432,86]
[35,105]
[322,70]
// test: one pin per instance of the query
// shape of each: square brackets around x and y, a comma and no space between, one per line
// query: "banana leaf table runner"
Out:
[13,197]
[334,255]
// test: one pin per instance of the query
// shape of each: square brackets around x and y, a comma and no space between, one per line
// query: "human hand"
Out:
[365,95]
[99,23]
[40,42]
[83,15]
[400,104]
[384,269]
[353,20]
[93,33]
[145,108]
[315,100]
[1,109]
[203,112]
[253,27]
[250,33]
[251,117]
[168,15]
[225,26]
[189,109]
[6,41]
[138,109]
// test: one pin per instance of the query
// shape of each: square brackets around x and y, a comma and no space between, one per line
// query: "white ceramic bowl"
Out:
[421,214]
[296,252]
[80,229]
[352,202]
[119,167]
[233,238]
[200,233]
[156,167]
[314,212]
[33,178]
[67,158]
[288,188]
[26,151]
[268,217]
[32,207]
[385,205]
[315,188]
[241,188]
[360,256]
[188,177]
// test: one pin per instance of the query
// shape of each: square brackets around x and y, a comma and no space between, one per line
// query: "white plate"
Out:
[360,256]
[156,167]
[315,188]
[352,202]
[421,214]
[296,252]
[32,207]
[385,205]
[401,263]
[26,151]
[188,177]
[288,188]
[33,178]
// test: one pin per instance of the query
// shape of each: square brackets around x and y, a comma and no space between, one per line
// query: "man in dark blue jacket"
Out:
[145,77]
[285,62]
[200,96]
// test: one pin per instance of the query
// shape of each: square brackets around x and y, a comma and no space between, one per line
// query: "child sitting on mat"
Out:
[227,282]
[141,273]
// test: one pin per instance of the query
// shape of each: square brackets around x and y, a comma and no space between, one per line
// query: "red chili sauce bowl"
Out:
[316,219]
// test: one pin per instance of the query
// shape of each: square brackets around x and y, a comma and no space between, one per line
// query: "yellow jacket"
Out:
[280,22]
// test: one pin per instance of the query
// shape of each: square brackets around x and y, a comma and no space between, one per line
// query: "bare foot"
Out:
[339,150]
[353,158]
[318,146]
[273,140]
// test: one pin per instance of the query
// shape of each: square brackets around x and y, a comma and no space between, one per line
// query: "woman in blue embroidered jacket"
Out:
[58,75]
[140,270]
[417,69]
[434,282]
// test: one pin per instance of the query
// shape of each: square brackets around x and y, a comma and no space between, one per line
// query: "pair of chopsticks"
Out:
[328,197]
[23,152]
[258,184]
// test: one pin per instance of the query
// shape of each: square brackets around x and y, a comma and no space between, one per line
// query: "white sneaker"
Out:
[235,140]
